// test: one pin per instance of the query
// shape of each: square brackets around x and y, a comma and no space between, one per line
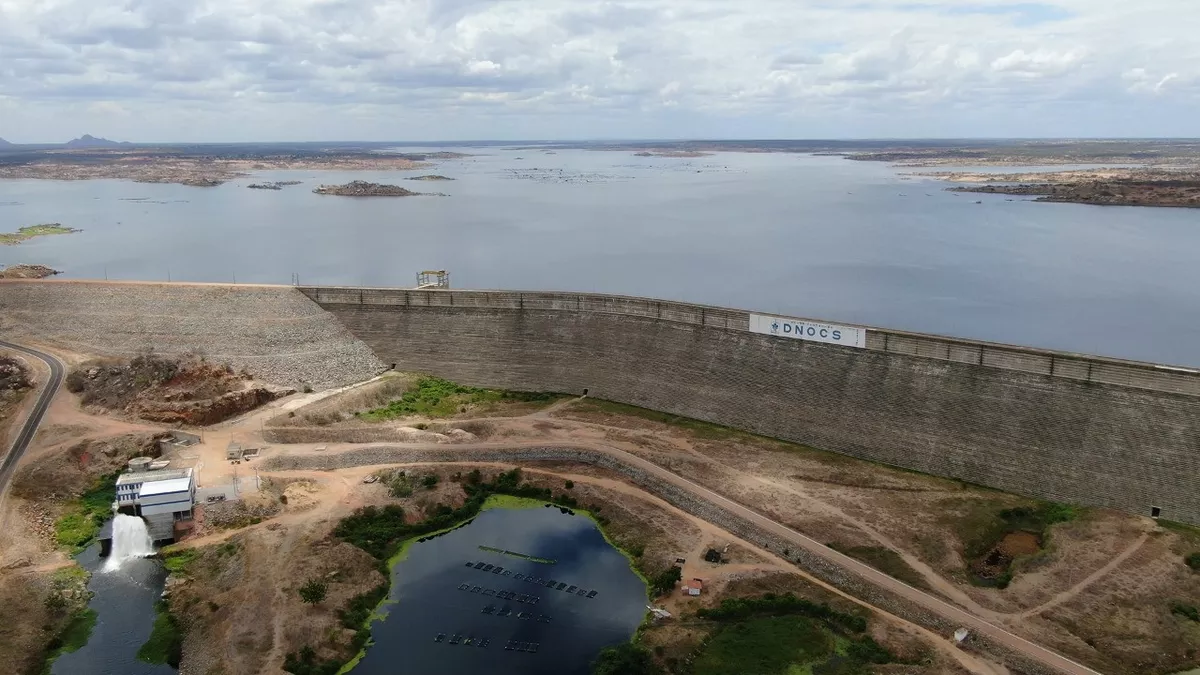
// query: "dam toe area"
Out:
[274,332]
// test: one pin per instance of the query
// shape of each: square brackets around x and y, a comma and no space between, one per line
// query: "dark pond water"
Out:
[820,237]
[568,629]
[124,604]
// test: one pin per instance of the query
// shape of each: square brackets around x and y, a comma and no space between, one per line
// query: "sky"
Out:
[323,70]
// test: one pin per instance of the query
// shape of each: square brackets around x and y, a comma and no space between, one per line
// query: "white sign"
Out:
[847,336]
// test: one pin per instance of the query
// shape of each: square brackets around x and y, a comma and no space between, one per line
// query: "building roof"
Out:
[148,476]
[162,487]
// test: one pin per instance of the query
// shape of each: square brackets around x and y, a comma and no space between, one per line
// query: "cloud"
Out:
[295,69]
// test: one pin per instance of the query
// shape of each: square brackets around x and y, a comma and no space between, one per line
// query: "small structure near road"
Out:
[162,498]
[433,279]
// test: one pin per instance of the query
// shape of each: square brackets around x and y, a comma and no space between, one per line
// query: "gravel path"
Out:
[275,332]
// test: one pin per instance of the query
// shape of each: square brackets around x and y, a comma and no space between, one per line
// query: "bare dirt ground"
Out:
[1101,590]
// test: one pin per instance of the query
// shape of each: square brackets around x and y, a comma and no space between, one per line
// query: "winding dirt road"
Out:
[947,611]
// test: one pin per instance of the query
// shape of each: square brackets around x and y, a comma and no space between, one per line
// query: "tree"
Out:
[313,592]
[665,581]
[624,659]
[570,485]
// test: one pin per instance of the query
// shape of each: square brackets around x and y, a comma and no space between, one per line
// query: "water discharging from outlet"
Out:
[130,539]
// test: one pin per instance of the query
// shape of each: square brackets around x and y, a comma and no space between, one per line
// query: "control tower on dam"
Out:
[1060,426]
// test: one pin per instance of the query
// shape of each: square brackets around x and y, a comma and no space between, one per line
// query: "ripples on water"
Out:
[810,236]
[436,593]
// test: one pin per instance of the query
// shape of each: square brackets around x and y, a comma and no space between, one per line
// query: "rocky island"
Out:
[1102,187]
[31,231]
[27,272]
[361,188]
[430,177]
[277,185]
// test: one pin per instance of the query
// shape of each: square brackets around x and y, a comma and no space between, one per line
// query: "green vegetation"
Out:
[435,397]
[1186,611]
[1193,560]
[625,659]
[885,560]
[165,644]
[764,645]
[786,635]
[313,592]
[74,635]
[31,231]
[177,561]
[984,526]
[305,662]
[81,520]
[430,481]
[381,531]
[664,582]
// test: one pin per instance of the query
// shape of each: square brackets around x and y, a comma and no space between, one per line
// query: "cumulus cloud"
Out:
[412,69]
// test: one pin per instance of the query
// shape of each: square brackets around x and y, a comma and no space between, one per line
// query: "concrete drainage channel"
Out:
[816,566]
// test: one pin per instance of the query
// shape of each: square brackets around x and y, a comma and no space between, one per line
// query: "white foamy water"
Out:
[131,539]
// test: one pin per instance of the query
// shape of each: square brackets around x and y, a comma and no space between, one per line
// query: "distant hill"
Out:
[88,141]
[5,144]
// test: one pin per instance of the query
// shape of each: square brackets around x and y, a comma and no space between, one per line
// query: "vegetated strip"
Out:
[165,644]
[74,635]
[819,567]
[83,516]
[522,556]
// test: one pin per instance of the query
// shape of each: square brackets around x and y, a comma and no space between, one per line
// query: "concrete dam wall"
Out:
[1067,427]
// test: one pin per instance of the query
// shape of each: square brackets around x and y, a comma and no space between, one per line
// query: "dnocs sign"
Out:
[847,336]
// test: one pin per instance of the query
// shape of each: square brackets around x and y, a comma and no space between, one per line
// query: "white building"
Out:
[160,497]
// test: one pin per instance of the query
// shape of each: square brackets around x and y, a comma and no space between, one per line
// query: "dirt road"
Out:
[947,611]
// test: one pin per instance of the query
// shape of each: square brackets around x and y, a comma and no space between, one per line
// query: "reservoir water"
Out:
[452,611]
[821,237]
[124,601]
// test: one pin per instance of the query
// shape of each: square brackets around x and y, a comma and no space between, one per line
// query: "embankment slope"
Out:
[967,411]
[275,332]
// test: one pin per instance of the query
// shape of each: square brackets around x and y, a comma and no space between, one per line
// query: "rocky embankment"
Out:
[361,188]
[274,332]
[27,272]
[430,177]
[169,391]
[679,497]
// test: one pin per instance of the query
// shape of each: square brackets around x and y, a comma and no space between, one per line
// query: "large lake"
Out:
[451,613]
[821,237]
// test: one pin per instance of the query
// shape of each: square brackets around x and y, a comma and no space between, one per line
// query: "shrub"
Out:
[305,662]
[313,592]
[1186,611]
[430,481]
[624,659]
[1193,561]
[732,609]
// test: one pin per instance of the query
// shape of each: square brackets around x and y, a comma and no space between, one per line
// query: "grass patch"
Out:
[1186,611]
[786,635]
[772,644]
[435,397]
[1192,560]
[31,231]
[885,560]
[177,562]
[984,526]
[165,644]
[81,520]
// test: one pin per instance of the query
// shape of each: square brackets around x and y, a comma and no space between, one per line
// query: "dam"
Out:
[1060,426]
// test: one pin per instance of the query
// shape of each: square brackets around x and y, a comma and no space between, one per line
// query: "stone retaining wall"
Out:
[1031,422]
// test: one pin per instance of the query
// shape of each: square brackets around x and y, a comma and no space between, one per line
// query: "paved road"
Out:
[952,613]
[49,389]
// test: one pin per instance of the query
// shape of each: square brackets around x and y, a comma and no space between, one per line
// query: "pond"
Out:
[124,603]
[479,599]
